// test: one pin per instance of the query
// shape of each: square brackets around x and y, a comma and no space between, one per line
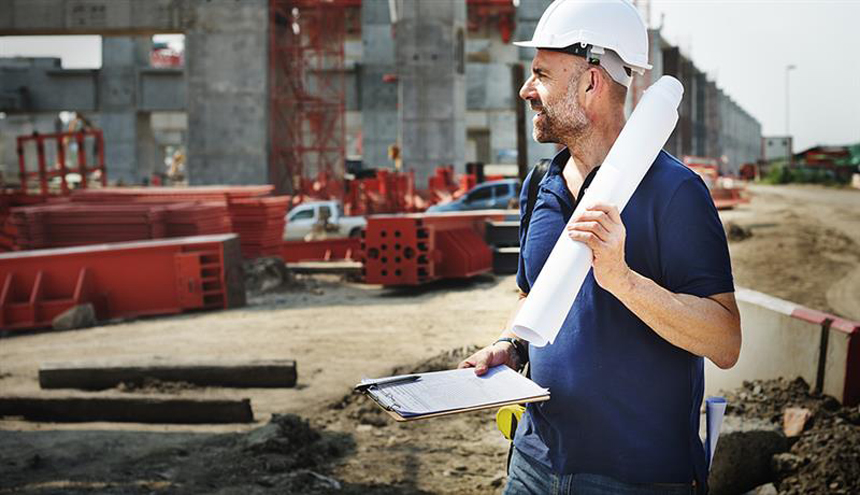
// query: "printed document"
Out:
[453,390]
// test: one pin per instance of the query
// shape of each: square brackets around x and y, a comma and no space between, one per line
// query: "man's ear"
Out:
[593,84]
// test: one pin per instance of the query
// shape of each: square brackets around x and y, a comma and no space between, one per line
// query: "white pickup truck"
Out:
[302,218]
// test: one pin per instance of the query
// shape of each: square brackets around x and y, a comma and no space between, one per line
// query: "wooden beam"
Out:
[128,409]
[103,375]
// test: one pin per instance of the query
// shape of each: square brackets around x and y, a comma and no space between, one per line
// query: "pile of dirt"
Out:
[735,232]
[287,455]
[264,275]
[825,458]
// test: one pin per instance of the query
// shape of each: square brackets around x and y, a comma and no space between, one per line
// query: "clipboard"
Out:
[507,388]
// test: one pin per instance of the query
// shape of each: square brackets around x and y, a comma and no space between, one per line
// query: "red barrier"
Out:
[59,169]
[419,248]
[121,280]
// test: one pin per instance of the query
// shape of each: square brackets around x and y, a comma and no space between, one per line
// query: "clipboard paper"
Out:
[441,393]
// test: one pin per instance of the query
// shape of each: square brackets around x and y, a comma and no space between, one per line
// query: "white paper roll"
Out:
[636,148]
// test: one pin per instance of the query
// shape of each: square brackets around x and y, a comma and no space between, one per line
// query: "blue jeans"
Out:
[528,477]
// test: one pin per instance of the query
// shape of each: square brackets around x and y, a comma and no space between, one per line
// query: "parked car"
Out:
[302,218]
[491,195]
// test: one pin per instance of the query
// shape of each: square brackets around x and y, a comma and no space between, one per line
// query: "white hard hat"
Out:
[606,27]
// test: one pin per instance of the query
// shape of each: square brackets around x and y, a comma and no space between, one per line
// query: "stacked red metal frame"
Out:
[63,224]
[260,224]
[121,280]
[418,248]
[46,172]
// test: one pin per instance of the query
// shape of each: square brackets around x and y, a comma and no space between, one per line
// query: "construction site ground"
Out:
[795,242]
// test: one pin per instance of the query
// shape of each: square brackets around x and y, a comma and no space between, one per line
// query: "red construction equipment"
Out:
[52,152]
[419,248]
[725,198]
[121,280]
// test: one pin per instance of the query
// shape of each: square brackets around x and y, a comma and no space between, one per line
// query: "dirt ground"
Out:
[803,247]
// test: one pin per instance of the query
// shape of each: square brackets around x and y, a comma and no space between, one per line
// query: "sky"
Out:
[744,45]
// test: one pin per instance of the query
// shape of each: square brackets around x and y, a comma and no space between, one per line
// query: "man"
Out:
[626,370]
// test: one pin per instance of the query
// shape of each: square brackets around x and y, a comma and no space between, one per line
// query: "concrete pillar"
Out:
[528,15]
[226,54]
[121,58]
[378,98]
[430,54]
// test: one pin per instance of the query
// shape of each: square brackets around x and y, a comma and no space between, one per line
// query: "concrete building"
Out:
[710,123]
[438,82]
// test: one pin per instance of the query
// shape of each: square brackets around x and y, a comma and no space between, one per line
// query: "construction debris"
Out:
[735,232]
[268,274]
[794,420]
[824,457]
[80,316]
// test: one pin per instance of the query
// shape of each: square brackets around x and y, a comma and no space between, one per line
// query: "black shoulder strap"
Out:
[536,176]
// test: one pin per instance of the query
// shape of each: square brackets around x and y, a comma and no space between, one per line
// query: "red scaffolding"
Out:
[307,87]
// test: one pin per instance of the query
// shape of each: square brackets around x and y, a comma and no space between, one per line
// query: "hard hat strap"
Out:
[597,55]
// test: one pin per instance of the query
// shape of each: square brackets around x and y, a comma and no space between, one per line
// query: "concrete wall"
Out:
[782,339]
[430,55]
[115,17]
[378,98]
[226,53]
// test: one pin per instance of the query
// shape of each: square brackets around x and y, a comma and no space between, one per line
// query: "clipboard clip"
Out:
[367,384]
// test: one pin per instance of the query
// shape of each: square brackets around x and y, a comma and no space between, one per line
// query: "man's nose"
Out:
[527,92]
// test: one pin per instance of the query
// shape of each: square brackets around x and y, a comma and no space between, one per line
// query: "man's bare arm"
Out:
[705,326]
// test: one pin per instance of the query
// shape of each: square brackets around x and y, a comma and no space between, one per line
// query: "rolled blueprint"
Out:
[552,295]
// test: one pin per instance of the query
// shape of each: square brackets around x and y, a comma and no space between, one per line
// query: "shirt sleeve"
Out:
[694,254]
[522,282]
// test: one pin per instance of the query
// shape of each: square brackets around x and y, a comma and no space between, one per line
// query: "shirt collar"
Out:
[554,181]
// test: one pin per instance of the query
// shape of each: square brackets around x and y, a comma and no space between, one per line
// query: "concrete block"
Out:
[80,316]
[742,460]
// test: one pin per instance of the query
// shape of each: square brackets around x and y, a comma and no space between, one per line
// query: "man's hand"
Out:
[600,228]
[491,356]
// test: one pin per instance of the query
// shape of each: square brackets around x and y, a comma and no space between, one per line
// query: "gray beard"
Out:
[561,124]
[565,122]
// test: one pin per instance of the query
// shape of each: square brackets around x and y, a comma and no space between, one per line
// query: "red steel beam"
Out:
[121,280]
[418,248]
[345,248]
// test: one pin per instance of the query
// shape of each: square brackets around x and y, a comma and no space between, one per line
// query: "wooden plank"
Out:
[128,409]
[103,375]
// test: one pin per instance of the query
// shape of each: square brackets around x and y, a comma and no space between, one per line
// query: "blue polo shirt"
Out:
[624,401]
